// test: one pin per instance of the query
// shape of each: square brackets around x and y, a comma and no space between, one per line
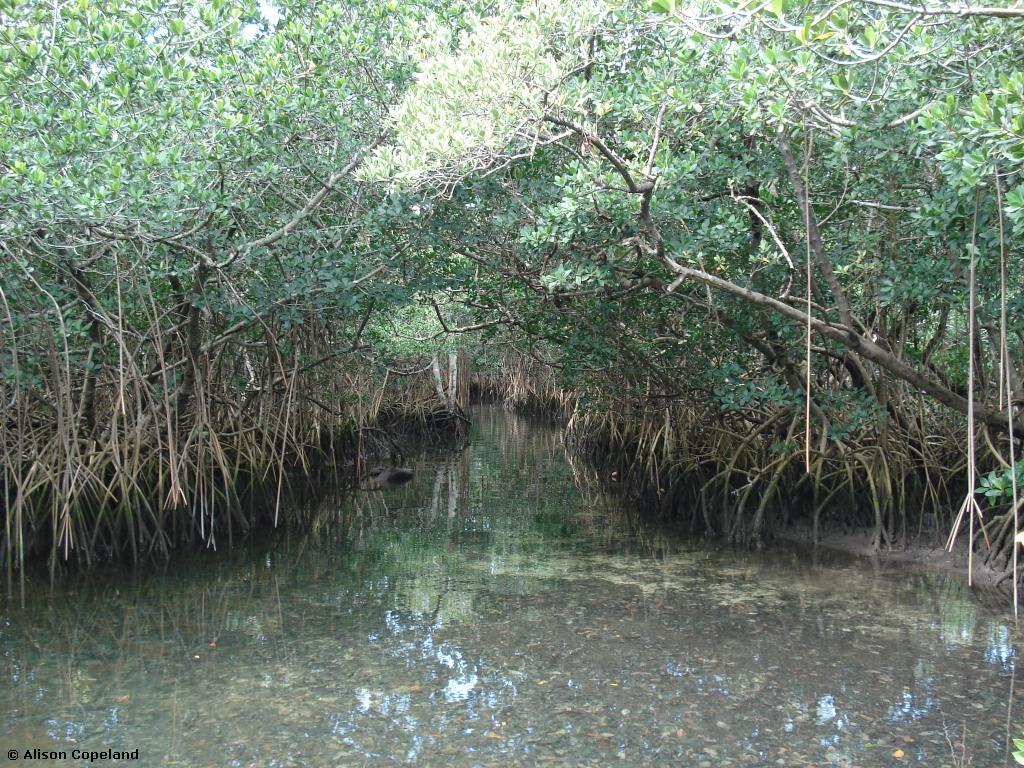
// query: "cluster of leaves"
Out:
[862,87]
[142,141]
[466,102]
[998,486]
[734,390]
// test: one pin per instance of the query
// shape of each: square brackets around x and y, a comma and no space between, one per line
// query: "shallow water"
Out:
[498,610]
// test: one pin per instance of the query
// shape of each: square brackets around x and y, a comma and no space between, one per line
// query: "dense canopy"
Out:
[765,251]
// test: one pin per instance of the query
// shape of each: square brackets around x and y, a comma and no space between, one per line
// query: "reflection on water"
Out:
[500,610]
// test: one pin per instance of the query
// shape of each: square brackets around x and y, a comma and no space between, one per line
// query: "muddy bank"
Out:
[913,557]
[740,505]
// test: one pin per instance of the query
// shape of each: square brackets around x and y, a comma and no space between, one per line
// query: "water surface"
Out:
[500,610]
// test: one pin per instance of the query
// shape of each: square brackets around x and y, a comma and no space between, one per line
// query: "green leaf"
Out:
[980,105]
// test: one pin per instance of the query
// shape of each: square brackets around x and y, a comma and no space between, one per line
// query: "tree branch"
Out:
[845,313]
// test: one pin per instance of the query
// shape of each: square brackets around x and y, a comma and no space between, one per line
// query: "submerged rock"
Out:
[385,477]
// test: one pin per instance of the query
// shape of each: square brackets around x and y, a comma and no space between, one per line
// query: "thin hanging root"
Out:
[969,506]
[152,470]
[757,524]
[775,467]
